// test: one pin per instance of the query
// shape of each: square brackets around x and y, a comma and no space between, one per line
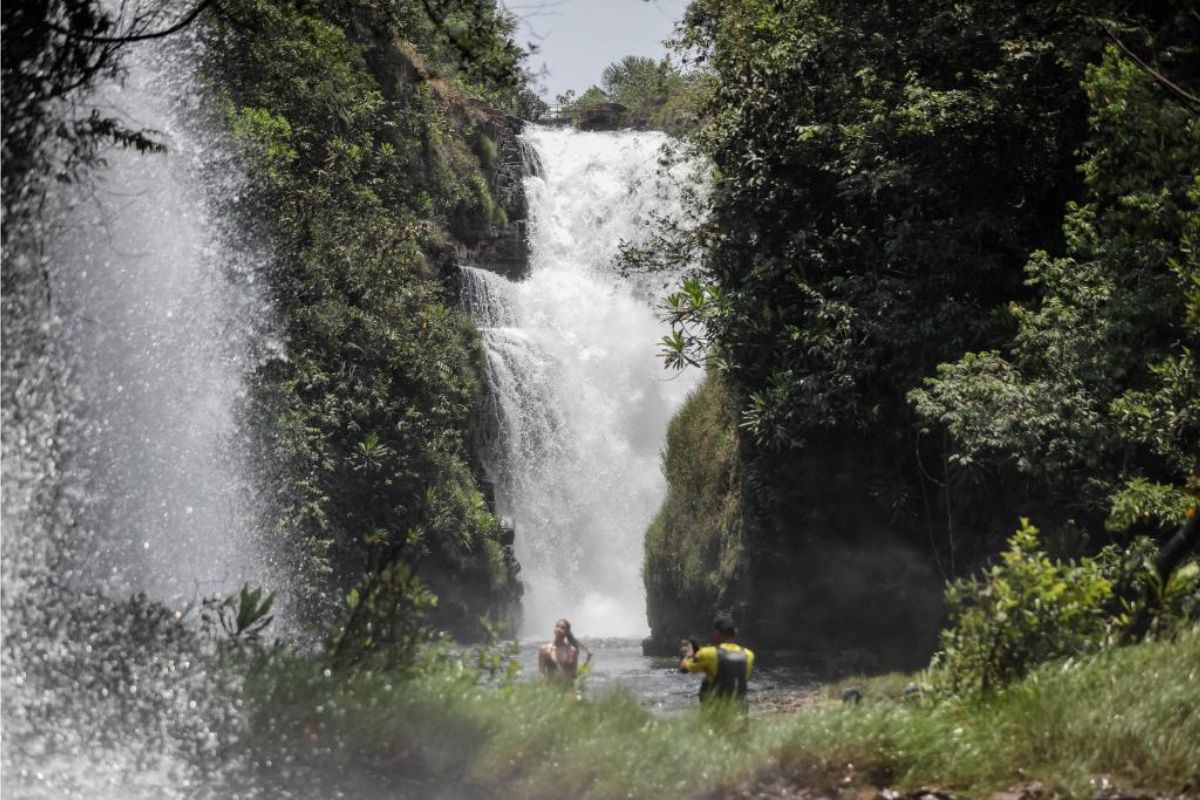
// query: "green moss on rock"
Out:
[695,549]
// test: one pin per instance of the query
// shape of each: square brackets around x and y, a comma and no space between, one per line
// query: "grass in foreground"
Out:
[1132,715]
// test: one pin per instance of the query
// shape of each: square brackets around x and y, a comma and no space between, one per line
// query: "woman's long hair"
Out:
[571,637]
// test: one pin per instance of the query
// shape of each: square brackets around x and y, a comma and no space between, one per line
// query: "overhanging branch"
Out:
[1163,80]
[137,37]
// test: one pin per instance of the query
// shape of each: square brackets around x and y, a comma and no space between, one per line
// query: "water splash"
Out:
[581,401]
[132,323]
[162,319]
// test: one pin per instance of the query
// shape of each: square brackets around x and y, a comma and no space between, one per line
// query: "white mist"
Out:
[161,320]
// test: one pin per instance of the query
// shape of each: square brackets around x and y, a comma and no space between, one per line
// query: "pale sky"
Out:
[577,39]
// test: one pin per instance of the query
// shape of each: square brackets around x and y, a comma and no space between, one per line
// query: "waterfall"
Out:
[161,322]
[130,327]
[580,399]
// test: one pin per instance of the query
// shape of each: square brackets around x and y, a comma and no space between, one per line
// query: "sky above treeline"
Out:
[577,39]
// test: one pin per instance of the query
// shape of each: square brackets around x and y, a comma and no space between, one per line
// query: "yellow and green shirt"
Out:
[707,660]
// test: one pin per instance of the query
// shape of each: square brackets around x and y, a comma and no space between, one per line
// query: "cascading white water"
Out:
[135,328]
[581,398]
[162,322]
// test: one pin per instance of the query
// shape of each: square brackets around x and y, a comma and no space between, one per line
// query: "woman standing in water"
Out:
[558,661]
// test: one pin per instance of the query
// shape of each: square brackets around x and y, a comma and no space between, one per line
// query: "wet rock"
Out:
[508,532]
[503,249]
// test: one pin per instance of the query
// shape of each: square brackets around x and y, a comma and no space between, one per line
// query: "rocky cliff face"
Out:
[504,249]
[458,161]
[491,237]
[496,242]
[837,605]
[501,246]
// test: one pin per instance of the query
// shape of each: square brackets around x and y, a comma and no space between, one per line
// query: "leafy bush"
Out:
[1146,604]
[1029,609]
[387,621]
[1025,610]
[242,616]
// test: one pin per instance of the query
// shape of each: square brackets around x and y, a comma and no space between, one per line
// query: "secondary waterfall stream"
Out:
[163,318]
[581,399]
[128,337]
[156,322]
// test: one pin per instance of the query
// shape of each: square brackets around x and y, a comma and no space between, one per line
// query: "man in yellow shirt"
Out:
[726,665]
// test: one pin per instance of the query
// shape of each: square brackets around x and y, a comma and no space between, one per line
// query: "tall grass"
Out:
[1132,715]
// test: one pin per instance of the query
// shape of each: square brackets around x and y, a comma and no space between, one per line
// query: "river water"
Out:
[656,682]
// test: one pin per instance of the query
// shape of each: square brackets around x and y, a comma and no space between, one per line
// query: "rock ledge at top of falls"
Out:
[503,249]
[603,117]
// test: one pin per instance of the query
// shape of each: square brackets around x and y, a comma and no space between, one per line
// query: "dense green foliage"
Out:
[1096,396]
[1031,608]
[889,194]
[364,165]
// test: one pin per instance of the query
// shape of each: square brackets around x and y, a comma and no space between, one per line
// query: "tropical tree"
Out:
[634,80]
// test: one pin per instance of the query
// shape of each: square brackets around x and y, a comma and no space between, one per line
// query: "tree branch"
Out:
[1158,76]
[136,37]
[1177,548]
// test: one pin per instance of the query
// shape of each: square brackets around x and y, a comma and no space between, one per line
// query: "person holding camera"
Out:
[726,665]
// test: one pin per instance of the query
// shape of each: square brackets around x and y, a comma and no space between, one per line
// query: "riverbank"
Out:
[1127,718]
